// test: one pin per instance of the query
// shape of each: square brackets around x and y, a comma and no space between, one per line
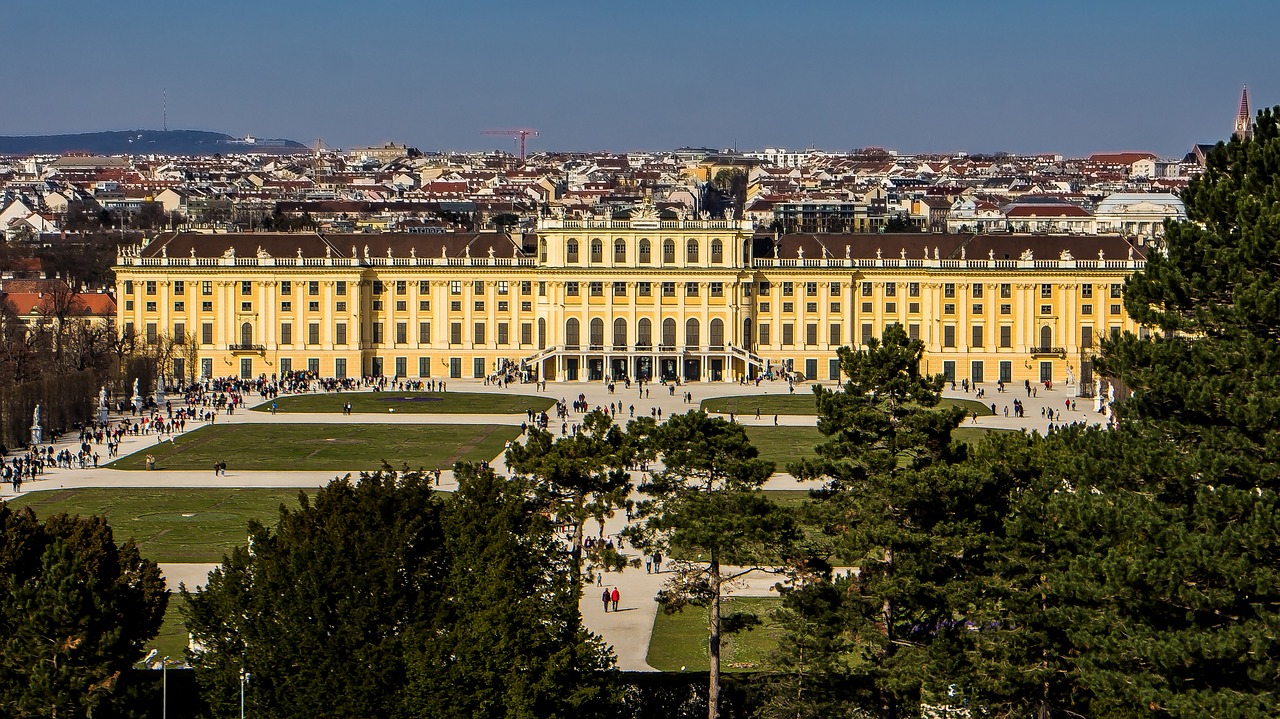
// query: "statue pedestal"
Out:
[137,403]
[102,414]
[37,435]
[160,398]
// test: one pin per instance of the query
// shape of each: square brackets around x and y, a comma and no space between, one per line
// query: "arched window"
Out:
[571,333]
[571,250]
[597,333]
[691,332]
[717,334]
[1046,336]
[619,250]
[644,252]
[542,333]
[597,251]
[691,251]
[246,334]
[668,252]
[746,333]
[619,334]
[542,251]
[669,333]
[717,251]
[644,332]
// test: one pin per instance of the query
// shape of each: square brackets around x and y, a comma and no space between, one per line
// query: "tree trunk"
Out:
[713,644]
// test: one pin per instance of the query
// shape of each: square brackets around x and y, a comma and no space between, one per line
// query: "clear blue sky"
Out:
[1073,76]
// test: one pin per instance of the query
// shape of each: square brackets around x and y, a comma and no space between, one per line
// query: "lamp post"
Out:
[164,688]
[244,679]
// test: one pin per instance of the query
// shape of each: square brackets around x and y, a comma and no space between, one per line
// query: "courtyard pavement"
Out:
[628,631]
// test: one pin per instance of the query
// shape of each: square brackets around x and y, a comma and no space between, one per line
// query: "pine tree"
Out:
[705,503]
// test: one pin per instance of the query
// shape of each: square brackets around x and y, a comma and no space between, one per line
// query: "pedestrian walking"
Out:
[657,562]
[615,597]
[606,598]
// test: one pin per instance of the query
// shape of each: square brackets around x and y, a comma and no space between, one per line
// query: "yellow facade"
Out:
[703,300]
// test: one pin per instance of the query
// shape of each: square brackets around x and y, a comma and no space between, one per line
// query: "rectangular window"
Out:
[1006,336]
[340,287]
[867,333]
[571,289]
[976,370]
[402,287]
[128,287]
[378,287]
[948,289]
[1006,371]
[890,289]
[542,288]
[811,334]
[787,290]
[811,307]
[597,289]
[1115,332]
[286,287]
[764,306]
[179,306]
[377,305]
[949,371]
[764,289]
[833,334]
[151,333]
[455,367]
[526,306]
[151,307]
[402,332]
[866,289]
[503,287]
[835,289]
[424,333]
[1006,291]
[455,306]
[949,336]
[313,306]
[717,289]
[644,289]
[762,333]
[835,307]
[504,306]
[313,333]
[340,368]
[151,287]
[340,333]
[1086,291]
[1116,290]
[913,308]
[424,287]
[424,367]
[788,307]
[913,331]
[205,306]
[866,307]
[455,333]
[180,332]
[424,305]
[244,307]
[1086,309]
[401,306]
[526,333]
[402,366]
[977,336]
[504,333]
[477,367]
[810,368]
[206,333]
[668,289]
[313,288]
[891,307]
[340,306]
[479,305]
[1046,309]
[455,287]
[179,287]
[976,290]
[478,333]
[913,289]
[691,289]
[977,309]
[246,287]
[286,365]
[1006,309]
[377,333]
[286,306]
[526,287]
[1046,291]
[811,289]
[1086,337]
[619,289]
[788,334]
[477,287]
[1115,309]
[286,334]
[949,308]
[833,369]
[206,288]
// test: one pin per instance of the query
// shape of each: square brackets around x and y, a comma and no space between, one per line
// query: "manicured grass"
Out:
[171,641]
[171,525]
[679,640]
[336,447]
[781,445]
[411,403]
[802,402]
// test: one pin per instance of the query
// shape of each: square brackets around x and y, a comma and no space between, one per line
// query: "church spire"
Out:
[1244,121]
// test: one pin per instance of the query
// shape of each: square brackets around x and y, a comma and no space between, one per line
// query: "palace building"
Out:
[647,295]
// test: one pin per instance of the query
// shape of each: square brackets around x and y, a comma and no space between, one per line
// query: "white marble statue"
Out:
[800,253]
[491,252]
[1065,256]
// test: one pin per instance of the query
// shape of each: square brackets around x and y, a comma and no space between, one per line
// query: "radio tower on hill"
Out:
[1244,121]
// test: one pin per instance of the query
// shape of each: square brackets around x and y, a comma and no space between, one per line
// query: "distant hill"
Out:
[144,142]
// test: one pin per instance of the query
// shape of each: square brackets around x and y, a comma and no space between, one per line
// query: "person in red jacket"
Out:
[615,597]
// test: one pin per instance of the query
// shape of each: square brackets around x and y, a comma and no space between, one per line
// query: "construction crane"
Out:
[522,135]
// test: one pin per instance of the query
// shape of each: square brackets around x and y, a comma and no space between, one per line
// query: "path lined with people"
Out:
[629,629]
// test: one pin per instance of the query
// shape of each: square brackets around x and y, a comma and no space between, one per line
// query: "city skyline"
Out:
[1003,77]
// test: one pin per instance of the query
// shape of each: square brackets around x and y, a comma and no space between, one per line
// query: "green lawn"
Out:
[172,640]
[411,403]
[170,525]
[680,640]
[336,447]
[784,444]
[802,402]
